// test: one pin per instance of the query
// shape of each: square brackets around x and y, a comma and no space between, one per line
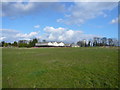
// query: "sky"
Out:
[58,21]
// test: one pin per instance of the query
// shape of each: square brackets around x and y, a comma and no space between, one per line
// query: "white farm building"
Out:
[50,44]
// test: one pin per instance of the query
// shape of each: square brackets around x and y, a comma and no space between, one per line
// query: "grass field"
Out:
[87,67]
[0,68]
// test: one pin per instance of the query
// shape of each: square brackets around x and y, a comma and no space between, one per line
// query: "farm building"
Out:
[50,44]
[74,45]
[67,45]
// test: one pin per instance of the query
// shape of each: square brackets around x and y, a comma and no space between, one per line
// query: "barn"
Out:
[50,44]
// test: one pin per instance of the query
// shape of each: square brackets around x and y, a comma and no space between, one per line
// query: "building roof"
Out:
[49,42]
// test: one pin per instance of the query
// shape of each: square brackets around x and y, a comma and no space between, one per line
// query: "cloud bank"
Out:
[17,9]
[76,13]
[65,35]
[50,34]
[80,12]
[14,35]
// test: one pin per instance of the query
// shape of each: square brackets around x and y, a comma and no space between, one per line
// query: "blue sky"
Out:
[59,21]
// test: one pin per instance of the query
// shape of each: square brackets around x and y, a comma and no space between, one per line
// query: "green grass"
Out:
[0,68]
[90,67]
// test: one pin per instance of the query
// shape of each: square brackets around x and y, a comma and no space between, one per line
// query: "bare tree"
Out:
[110,41]
[104,41]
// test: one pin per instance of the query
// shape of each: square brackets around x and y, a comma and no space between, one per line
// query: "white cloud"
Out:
[60,0]
[114,21]
[65,35]
[16,9]
[2,38]
[77,13]
[50,34]
[80,12]
[59,20]
[54,30]
[36,26]
[43,0]
[14,35]
[27,36]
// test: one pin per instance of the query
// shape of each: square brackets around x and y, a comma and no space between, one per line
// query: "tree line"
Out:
[20,44]
[96,41]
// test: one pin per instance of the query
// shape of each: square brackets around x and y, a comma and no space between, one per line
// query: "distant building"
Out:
[50,44]
[74,45]
[67,45]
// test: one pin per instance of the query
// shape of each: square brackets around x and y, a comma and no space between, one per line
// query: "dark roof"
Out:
[48,42]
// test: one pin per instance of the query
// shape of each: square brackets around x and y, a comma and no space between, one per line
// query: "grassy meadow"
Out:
[83,67]
[0,68]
